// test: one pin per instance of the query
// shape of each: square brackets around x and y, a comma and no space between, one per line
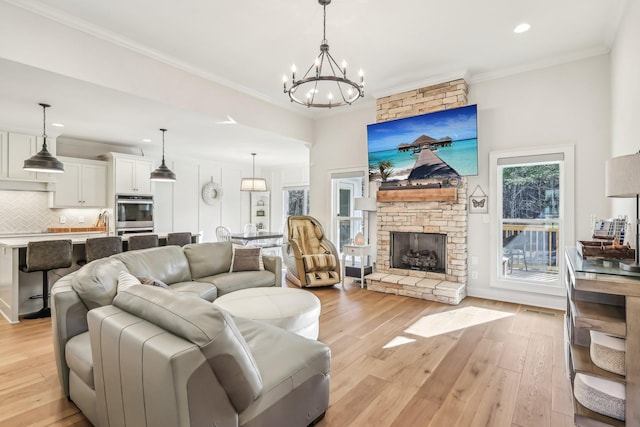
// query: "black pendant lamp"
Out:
[163,173]
[43,161]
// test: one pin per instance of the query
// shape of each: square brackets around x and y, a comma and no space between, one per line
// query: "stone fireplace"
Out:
[447,219]
[401,223]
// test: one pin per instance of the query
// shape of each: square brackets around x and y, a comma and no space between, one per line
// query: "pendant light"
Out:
[43,161]
[253,183]
[163,173]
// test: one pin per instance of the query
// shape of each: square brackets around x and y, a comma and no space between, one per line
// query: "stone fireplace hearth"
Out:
[448,219]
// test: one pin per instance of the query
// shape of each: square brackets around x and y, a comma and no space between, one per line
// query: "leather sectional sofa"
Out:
[148,356]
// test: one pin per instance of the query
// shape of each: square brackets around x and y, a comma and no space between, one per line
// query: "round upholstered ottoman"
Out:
[295,310]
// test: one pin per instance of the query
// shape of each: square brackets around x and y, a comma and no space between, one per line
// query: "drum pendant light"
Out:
[163,173]
[43,161]
[253,183]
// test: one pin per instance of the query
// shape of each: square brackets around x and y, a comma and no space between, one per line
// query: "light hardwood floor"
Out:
[396,361]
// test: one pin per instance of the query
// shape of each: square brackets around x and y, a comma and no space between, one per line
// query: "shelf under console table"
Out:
[601,297]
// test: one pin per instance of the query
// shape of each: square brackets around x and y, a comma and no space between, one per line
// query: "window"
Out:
[534,199]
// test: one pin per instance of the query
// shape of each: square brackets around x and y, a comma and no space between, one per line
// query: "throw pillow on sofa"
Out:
[126,279]
[153,282]
[246,259]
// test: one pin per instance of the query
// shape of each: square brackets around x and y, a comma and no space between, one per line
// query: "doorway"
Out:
[346,221]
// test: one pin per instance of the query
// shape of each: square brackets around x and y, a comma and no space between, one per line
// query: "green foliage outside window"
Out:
[531,191]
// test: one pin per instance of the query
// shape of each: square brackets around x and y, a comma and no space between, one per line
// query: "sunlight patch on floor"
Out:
[453,320]
[398,341]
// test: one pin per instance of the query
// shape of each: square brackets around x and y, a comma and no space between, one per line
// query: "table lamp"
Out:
[366,205]
[623,180]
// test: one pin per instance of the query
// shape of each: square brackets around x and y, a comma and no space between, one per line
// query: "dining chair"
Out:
[223,234]
[250,230]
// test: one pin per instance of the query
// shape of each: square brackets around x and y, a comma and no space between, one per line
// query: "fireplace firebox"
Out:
[418,251]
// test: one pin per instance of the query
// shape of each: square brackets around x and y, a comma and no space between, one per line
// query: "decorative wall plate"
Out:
[211,192]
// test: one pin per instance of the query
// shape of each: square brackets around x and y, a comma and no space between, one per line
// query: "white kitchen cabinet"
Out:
[83,184]
[132,175]
[20,147]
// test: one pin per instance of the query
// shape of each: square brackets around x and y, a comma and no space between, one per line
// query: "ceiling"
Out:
[249,45]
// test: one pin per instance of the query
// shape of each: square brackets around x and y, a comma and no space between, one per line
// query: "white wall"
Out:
[30,39]
[568,104]
[565,104]
[278,178]
[179,206]
[340,142]
[625,96]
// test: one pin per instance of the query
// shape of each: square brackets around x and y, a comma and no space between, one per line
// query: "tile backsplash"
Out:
[29,212]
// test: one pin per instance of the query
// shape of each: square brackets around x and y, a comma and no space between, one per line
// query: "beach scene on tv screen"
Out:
[433,145]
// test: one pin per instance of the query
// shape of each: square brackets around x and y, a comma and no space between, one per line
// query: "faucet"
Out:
[106,220]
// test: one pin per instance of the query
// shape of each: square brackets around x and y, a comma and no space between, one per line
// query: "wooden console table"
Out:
[602,297]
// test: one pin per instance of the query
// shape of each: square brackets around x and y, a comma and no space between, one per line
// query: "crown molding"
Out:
[538,65]
[111,37]
[430,81]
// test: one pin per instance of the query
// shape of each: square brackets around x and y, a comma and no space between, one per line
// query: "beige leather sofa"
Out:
[123,364]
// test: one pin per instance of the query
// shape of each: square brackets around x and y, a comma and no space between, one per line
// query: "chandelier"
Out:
[325,84]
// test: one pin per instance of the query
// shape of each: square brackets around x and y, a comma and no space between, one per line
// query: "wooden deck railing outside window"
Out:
[540,238]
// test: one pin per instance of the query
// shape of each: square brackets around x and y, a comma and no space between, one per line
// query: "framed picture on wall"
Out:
[478,201]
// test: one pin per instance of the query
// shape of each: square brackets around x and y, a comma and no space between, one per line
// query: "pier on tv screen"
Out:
[454,136]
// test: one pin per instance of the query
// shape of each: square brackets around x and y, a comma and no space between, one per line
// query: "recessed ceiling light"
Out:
[58,125]
[146,140]
[521,28]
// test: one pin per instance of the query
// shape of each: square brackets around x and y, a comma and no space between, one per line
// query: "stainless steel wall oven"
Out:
[133,214]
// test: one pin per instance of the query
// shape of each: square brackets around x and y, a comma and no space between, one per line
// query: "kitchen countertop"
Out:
[12,245]
[22,240]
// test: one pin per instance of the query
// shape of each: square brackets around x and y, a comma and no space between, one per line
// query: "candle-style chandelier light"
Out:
[325,84]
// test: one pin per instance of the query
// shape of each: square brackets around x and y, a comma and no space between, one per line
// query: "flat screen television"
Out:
[430,146]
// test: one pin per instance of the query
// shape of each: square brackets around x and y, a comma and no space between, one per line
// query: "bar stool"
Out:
[178,239]
[102,247]
[45,256]
[143,241]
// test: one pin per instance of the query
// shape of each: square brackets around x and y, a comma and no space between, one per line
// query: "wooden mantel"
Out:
[449,194]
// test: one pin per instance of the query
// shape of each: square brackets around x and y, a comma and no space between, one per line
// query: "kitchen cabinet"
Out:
[83,184]
[603,298]
[131,175]
[260,209]
[15,149]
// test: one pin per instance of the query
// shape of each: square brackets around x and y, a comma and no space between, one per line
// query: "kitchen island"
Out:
[17,286]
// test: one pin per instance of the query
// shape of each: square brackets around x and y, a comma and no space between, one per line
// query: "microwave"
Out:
[133,213]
